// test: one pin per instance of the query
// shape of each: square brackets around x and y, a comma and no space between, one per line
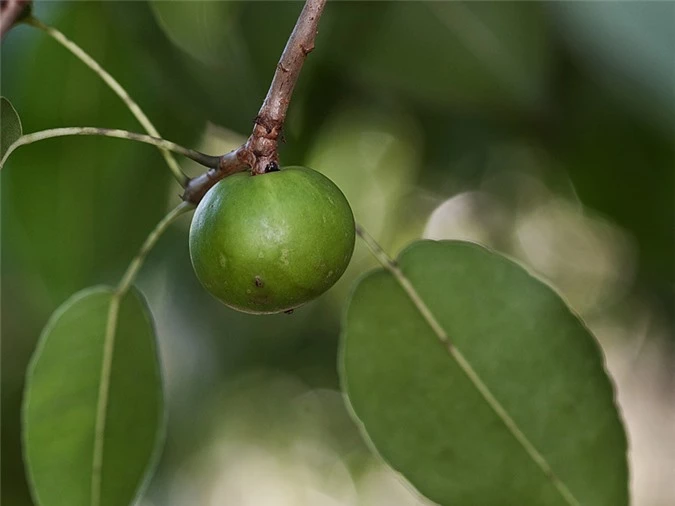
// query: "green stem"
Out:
[390,264]
[150,241]
[201,158]
[115,86]
[109,345]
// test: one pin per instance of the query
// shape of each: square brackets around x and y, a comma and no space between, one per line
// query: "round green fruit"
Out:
[269,243]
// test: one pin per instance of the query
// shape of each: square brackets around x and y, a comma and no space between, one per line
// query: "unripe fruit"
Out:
[269,243]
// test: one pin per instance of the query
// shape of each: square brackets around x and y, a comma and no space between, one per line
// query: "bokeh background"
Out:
[543,130]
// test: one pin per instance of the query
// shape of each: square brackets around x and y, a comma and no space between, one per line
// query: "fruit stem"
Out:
[115,86]
[201,158]
[259,153]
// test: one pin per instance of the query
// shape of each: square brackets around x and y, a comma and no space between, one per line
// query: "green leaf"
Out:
[64,402]
[515,408]
[11,125]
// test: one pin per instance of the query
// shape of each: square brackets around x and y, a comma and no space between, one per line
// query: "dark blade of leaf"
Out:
[485,55]
[427,417]
[10,125]
[61,403]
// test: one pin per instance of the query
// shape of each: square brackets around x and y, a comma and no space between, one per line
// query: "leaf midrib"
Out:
[103,394]
[478,383]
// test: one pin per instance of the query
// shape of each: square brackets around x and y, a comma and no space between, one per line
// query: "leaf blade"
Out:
[11,125]
[392,387]
[61,400]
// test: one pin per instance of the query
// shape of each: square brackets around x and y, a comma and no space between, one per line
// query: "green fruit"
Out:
[269,243]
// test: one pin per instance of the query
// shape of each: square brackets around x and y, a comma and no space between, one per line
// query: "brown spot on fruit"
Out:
[258,282]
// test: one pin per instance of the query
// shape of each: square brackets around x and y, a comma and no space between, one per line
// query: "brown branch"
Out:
[270,121]
[12,11]
[259,153]
[230,163]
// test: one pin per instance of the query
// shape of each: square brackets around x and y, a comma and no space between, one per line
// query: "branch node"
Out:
[259,152]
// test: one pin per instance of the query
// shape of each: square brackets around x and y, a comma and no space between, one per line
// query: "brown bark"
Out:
[259,152]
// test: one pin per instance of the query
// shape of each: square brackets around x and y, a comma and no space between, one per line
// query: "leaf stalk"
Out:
[116,87]
[201,158]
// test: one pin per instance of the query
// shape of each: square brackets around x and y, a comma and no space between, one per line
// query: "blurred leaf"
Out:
[62,396]
[625,171]
[463,54]
[231,70]
[11,125]
[199,28]
[427,418]
[628,47]
[216,58]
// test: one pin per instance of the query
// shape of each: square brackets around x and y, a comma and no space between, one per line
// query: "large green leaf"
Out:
[65,402]
[515,408]
[10,125]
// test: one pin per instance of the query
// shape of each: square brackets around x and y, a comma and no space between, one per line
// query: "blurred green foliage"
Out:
[403,104]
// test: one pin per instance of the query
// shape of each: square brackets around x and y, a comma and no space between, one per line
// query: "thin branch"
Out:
[11,11]
[109,346]
[201,158]
[116,87]
[260,150]
[392,266]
